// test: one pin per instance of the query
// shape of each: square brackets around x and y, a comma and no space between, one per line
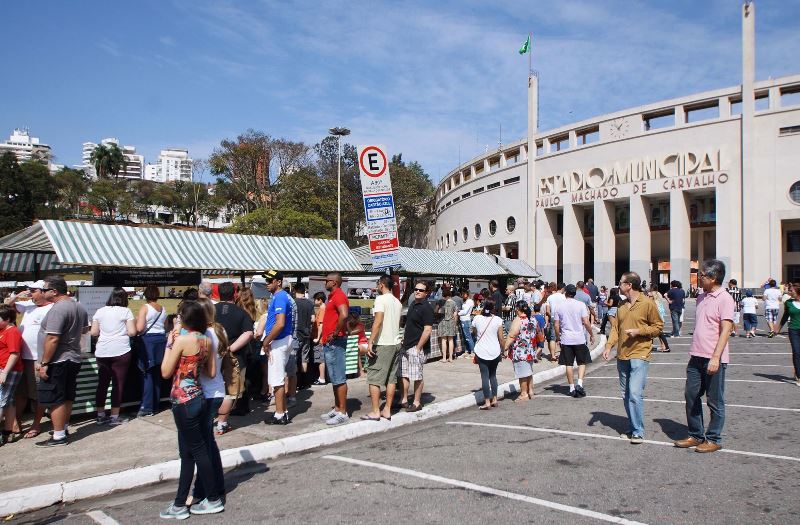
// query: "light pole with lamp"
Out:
[339,133]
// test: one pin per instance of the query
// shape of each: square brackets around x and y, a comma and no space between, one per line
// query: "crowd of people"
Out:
[218,355]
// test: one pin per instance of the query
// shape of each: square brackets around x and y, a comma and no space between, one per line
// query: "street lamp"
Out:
[339,133]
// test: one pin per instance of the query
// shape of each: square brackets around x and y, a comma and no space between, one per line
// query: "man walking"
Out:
[239,327]
[465,320]
[571,326]
[708,359]
[383,349]
[509,307]
[772,306]
[334,341]
[554,299]
[676,298]
[60,340]
[416,345]
[277,344]
[638,322]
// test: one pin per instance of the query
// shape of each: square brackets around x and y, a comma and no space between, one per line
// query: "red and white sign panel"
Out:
[379,212]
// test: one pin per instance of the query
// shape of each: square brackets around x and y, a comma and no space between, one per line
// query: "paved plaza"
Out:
[553,460]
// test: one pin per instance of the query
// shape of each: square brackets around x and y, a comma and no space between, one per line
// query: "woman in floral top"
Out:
[521,348]
[183,361]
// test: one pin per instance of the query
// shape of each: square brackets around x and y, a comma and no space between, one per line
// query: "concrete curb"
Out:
[33,498]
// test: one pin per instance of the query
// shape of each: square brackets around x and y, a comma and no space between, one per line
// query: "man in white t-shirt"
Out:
[572,325]
[553,300]
[383,349]
[34,306]
[772,306]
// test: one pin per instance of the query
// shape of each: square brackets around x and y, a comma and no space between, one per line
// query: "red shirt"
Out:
[10,343]
[331,317]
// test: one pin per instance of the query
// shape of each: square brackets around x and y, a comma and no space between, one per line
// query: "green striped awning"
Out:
[116,246]
[439,263]
[24,263]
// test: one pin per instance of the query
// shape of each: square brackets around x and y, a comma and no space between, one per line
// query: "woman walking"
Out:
[150,327]
[612,303]
[661,304]
[189,355]
[521,348]
[447,326]
[114,326]
[791,313]
[489,330]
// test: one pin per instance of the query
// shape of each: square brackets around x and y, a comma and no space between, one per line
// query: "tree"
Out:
[106,194]
[108,160]
[254,164]
[412,189]
[72,186]
[352,206]
[282,222]
[43,191]
[17,208]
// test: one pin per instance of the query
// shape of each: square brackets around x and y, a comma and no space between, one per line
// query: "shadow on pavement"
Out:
[616,423]
[672,429]
[558,389]
[775,377]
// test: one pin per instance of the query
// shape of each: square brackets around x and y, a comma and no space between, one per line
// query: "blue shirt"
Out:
[281,303]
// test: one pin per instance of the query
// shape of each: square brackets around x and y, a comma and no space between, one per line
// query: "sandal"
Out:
[484,407]
[222,429]
[32,433]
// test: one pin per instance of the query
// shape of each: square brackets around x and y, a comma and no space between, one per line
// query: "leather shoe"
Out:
[688,442]
[708,446]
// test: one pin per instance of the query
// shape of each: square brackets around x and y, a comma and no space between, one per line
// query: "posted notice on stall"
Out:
[379,211]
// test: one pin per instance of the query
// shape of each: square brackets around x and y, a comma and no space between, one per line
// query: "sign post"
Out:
[376,187]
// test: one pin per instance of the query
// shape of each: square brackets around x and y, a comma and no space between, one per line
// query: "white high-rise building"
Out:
[134,163]
[173,164]
[25,147]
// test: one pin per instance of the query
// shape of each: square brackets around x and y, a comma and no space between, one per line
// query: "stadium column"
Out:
[680,235]
[574,244]
[605,249]
[546,243]
[640,235]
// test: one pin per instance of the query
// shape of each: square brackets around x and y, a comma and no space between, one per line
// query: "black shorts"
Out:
[572,353]
[303,348]
[60,385]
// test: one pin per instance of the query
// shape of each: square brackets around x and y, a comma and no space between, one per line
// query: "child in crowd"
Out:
[10,368]
[356,327]
[540,322]
[750,314]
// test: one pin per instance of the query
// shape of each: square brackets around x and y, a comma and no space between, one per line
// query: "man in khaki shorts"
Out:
[383,349]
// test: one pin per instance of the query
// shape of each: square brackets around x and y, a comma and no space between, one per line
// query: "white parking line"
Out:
[101,517]
[486,490]
[615,438]
[684,379]
[729,364]
[650,400]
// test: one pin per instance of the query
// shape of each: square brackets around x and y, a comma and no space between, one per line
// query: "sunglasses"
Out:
[47,289]
[420,290]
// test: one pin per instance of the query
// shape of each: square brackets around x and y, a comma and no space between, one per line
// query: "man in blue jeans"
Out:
[334,341]
[465,318]
[708,359]
[638,322]
[676,298]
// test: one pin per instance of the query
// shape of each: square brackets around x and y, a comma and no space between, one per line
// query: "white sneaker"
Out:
[338,419]
[327,415]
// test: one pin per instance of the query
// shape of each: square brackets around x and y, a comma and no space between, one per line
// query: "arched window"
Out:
[511,224]
[466,233]
[492,227]
[477,231]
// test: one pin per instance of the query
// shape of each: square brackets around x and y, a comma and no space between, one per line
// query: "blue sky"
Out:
[424,78]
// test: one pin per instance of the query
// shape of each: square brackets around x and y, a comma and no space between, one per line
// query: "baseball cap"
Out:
[570,289]
[38,285]
[272,275]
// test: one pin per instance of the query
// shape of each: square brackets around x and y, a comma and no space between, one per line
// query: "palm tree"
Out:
[108,160]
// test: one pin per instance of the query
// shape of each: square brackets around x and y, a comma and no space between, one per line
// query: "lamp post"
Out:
[339,133]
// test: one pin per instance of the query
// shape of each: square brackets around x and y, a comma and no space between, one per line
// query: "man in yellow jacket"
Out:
[636,325]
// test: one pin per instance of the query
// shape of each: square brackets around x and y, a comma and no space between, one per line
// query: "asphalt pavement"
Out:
[555,459]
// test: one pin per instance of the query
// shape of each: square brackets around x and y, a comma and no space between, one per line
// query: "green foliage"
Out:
[108,160]
[44,193]
[71,186]
[282,222]
[107,194]
[17,207]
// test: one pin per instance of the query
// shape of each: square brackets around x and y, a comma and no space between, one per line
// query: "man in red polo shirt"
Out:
[334,341]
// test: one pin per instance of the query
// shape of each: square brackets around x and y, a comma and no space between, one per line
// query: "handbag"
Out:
[231,374]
